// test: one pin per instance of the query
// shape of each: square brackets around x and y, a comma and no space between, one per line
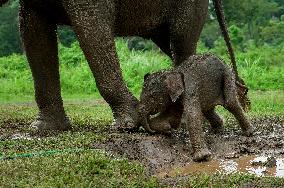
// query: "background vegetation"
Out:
[261,68]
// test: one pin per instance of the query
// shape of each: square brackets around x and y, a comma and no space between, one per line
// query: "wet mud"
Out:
[167,156]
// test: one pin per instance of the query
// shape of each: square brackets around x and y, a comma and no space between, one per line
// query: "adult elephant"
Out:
[175,26]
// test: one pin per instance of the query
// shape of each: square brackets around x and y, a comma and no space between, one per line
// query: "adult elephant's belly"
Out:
[52,10]
[136,17]
[136,28]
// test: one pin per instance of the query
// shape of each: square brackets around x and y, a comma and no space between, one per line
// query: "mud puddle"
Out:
[257,165]
[166,156]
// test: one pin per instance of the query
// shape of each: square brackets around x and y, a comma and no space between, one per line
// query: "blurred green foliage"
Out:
[262,68]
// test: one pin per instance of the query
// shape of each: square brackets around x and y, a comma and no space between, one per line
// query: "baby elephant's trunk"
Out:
[144,119]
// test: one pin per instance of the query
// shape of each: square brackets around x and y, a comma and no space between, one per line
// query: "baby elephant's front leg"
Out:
[192,121]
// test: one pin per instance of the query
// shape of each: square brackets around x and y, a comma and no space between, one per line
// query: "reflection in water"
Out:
[229,166]
[280,168]
[257,165]
[259,171]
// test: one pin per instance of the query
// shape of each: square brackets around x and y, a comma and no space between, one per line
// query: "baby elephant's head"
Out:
[160,89]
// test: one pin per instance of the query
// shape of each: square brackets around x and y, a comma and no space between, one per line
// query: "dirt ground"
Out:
[170,156]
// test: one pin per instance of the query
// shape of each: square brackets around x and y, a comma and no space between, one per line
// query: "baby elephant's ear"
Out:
[175,85]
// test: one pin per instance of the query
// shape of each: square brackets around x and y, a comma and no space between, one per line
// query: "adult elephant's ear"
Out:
[175,85]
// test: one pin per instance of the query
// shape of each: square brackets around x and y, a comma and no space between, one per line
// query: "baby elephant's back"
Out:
[208,72]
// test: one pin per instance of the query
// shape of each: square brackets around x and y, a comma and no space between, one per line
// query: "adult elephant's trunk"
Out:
[2,2]
[223,26]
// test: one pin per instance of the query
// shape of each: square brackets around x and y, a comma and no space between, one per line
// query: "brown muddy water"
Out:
[257,165]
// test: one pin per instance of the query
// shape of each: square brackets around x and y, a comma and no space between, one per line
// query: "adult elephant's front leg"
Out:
[92,21]
[40,42]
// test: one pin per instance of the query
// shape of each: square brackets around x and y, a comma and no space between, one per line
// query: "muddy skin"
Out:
[174,26]
[199,84]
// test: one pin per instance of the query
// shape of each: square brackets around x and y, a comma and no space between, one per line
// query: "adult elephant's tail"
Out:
[223,26]
[2,2]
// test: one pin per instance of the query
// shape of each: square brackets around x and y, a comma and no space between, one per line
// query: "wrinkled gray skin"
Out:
[174,25]
[199,84]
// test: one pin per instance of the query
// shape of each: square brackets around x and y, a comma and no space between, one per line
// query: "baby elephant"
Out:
[199,84]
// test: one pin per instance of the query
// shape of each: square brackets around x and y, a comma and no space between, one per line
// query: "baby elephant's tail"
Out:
[234,91]
[2,2]
[242,92]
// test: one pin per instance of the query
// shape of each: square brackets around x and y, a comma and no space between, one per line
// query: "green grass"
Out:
[261,68]
[85,169]
[267,102]
[220,180]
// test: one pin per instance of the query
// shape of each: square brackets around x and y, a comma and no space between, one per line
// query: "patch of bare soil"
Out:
[8,129]
[169,156]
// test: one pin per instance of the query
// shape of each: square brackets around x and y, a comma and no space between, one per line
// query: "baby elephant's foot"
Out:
[202,155]
[51,124]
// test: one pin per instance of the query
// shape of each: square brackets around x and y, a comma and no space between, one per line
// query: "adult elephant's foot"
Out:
[126,116]
[248,132]
[202,155]
[51,124]
[216,129]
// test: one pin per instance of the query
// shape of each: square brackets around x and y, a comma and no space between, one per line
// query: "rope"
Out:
[41,154]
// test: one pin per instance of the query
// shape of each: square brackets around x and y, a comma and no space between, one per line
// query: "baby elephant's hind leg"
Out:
[238,112]
[215,121]
[232,103]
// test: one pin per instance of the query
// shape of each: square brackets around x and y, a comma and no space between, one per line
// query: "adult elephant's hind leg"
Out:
[186,27]
[94,30]
[40,42]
